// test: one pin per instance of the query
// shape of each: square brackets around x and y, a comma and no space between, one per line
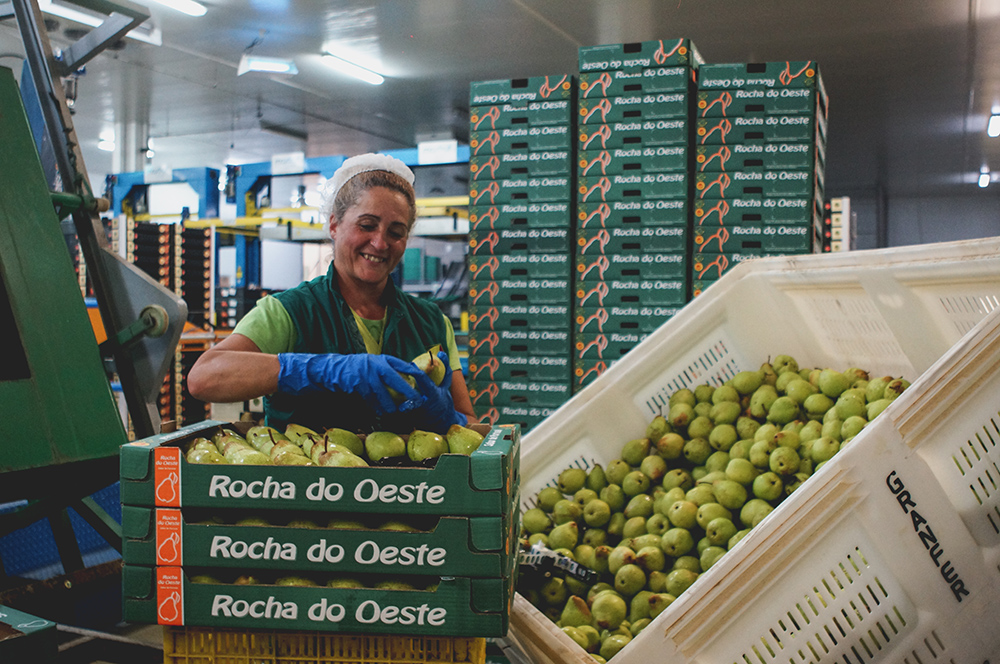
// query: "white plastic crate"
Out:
[856,585]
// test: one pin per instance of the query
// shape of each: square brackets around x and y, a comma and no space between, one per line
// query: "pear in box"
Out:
[425,446]
[345,438]
[462,440]
[381,445]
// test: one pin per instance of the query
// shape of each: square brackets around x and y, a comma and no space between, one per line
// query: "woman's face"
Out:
[369,241]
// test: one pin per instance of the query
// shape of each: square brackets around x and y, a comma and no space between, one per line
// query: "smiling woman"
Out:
[333,352]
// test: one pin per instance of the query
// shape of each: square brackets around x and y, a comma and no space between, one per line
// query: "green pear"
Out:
[832,383]
[535,520]
[576,613]
[431,364]
[635,450]
[395,525]
[342,458]
[284,448]
[462,440]
[200,455]
[290,459]
[657,428]
[747,382]
[783,363]
[680,580]
[204,578]
[670,446]
[571,480]
[292,580]
[340,523]
[248,457]
[381,445]
[548,497]
[609,610]
[658,602]
[296,433]
[875,389]
[572,632]
[346,439]
[564,536]
[612,645]
[344,582]
[425,445]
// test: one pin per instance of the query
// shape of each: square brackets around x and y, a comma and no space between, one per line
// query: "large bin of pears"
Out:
[233,525]
[882,550]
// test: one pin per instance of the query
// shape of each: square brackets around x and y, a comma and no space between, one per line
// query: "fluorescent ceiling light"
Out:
[984,180]
[189,7]
[143,33]
[351,69]
[259,63]
[106,145]
[993,128]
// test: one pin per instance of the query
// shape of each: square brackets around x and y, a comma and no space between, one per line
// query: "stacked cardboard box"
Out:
[761,141]
[310,548]
[633,188]
[520,259]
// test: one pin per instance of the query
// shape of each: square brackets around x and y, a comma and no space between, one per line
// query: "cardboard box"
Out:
[511,342]
[154,473]
[631,318]
[640,133]
[660,212]
[514,139]
[663,159]
[587,371]
[507,266]
[734,184]
[519,367]
[26,638]
[631,107]
[512,391]
[760,75]
[636,80]
[650,292]
[653,53]
[759,129]
[632,186]
[750,156]
[521,164]
[538,292]
[499,116]
[521,90]
[458,606]
[608,347]
[630,238]
[631,267]
[709,266]
[532,240]
[520,216]
[512,316]
[453,546]
[526,416]
[785,101]
[745,238]
[756,209]
[521,190]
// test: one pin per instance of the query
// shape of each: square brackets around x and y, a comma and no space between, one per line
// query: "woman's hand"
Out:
[371,376]
[438,407]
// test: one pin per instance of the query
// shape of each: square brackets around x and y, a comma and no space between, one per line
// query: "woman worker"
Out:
[325,353]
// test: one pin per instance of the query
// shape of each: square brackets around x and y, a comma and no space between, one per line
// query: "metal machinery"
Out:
[60,429]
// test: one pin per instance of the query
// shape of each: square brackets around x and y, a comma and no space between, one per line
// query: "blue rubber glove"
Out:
[367,375]
[438,408]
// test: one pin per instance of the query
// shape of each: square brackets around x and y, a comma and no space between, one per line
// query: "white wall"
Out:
[930,219]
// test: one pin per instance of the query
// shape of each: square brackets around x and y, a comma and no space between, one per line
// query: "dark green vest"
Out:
[325,324]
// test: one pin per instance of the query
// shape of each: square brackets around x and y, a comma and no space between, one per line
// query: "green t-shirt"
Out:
[270,327]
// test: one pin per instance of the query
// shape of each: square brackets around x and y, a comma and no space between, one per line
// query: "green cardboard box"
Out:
[630,238]
[659,212]
[531,240]
[766,183]
[520,216]
[636,80]
[787,210]
[519,291]
[609,346]
[770,157]
[632,186]
[519,367]
[630,107]
[709,266]
[521,90]
[759,129]
[784,101]
[639,133]
[652,53]
[457,606]
[544,394]
[662,159]
[521,190]
[154,473]
[586,372]
[520,138]
[620,292]
[510,316]
[464,546]
[521,164]
[513,341]
[631,266]
[507,266]
[630,318]
[499,116]
[746,238]
[760,75]
[26,638]
[525,415]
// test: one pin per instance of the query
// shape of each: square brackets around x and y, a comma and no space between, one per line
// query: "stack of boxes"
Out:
[520,218]
[428,550]
[760,152]
[634,183]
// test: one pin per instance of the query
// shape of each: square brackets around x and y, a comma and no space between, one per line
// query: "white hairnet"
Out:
[353,166]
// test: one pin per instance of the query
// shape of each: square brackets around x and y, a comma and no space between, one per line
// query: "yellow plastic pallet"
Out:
[200,645]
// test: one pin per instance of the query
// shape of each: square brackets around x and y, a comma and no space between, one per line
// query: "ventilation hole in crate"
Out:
[714,366]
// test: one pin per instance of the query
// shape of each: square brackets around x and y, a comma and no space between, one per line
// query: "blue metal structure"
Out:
[204,181]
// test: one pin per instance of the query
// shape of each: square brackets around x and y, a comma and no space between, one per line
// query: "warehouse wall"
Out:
[929,219]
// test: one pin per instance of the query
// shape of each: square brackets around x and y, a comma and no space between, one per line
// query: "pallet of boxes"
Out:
[393,559]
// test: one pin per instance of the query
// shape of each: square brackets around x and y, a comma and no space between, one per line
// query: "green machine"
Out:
[60,428]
